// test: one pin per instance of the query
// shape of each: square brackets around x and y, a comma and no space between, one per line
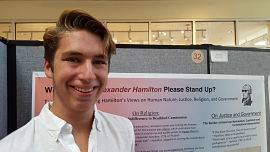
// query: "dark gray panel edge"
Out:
[28,59]
[3,90]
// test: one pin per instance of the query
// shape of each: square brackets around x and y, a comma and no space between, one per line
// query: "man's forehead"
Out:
[69,46]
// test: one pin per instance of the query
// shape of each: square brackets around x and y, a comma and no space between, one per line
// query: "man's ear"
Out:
[48,69]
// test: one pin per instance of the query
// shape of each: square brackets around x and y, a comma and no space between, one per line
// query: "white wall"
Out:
[138,9]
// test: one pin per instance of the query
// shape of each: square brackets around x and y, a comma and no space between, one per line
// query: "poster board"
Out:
[183,112]
[42,91]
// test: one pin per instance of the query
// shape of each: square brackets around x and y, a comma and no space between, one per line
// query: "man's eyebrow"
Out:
[76,53]
[71,53]
[101,56]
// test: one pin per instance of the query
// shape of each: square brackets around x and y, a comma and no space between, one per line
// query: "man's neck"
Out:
[81,123]
[79,120]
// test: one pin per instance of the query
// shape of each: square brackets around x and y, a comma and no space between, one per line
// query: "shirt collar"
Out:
[53,123]
[56,125]
[96,122]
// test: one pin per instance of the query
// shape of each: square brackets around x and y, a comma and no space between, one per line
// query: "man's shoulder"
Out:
[113,119]
[18,138]
[116,130]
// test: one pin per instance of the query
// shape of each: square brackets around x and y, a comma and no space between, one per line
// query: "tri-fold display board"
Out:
[22,58]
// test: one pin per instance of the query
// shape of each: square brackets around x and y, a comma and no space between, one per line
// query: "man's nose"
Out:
[87,71]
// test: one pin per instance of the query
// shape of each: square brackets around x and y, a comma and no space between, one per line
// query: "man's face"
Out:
[80,71]
[245,93]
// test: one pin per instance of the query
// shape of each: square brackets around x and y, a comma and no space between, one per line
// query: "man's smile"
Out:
[84,90]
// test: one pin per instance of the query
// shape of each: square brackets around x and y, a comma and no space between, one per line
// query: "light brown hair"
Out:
[73,20]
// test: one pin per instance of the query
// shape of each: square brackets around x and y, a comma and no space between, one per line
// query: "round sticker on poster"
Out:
[197,56]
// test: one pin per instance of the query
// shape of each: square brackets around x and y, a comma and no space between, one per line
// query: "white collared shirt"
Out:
[49,133]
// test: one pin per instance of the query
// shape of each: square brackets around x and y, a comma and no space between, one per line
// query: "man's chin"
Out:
[83,105]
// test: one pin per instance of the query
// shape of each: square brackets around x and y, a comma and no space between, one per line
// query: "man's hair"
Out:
[74,20]
[247,88]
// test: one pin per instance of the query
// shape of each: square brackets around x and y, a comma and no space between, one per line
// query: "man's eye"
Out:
[100,62]
[72,59]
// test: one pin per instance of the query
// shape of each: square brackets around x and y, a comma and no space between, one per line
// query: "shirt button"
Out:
[69,127]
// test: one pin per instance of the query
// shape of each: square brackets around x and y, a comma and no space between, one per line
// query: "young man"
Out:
[77,59]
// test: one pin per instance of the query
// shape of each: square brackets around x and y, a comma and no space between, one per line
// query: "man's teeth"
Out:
[84,90]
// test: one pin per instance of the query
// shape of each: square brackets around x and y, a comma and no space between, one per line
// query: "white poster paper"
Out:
[184,113]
